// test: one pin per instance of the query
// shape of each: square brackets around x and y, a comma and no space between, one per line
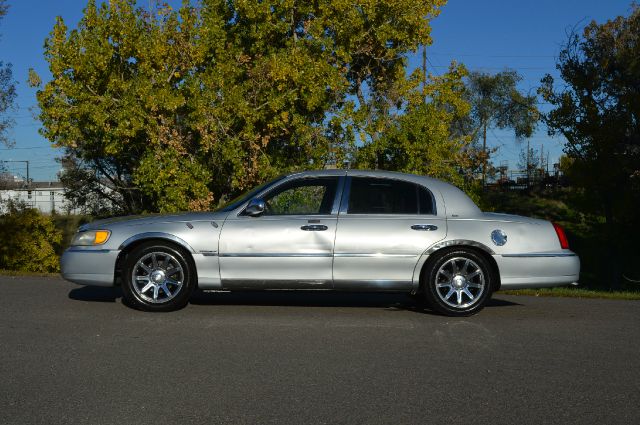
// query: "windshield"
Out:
[236,202]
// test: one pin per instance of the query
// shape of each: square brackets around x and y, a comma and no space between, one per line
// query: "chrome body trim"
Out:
[275,254]
[458,242]
[541,254]
[88,251]
[372,285]
[257,284]
[155,235]
[379,255]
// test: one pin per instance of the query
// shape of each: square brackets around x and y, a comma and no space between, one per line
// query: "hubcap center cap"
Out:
[459,282]
[157,276]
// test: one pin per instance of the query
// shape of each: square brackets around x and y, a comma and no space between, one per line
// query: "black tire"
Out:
[169,259]
[467,262]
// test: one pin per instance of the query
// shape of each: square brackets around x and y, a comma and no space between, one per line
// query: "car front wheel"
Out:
[157,277]
[458,283]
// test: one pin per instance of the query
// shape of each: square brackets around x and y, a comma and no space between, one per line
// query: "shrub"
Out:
[28,240]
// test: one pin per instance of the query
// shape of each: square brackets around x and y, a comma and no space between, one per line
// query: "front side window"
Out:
[302,197]
[387,196]
[236,202]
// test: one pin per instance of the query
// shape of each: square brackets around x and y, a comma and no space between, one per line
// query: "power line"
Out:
[525,68]
[28,147]
[491,56]
[47,166]
[432,66]
[25,162]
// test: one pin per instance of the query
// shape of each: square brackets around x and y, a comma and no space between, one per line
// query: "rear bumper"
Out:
[89,266]
[538,270]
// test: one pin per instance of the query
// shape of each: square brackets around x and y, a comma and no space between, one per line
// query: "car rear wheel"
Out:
[458,283]
[157,277]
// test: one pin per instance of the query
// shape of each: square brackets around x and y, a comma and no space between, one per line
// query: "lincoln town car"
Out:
[341,230]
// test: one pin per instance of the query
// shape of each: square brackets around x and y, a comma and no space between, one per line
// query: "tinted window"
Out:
[302,197]
[385,196]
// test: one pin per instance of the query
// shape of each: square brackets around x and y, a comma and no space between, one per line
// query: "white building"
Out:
[44,196]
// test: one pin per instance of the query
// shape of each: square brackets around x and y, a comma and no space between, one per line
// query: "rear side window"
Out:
[386,196]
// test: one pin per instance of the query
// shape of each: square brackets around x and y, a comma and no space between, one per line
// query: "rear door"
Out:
[384,226]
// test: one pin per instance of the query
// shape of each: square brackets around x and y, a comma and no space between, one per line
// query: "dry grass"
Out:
[18,273]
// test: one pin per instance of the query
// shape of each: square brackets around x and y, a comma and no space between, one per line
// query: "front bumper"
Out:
[86,266]
[538,270]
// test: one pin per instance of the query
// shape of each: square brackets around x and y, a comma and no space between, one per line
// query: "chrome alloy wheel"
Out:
[460,282]
[157,277]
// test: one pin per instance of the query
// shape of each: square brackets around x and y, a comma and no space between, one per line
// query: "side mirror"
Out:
[255,208]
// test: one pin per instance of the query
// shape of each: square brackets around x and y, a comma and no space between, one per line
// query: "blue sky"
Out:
[487,35]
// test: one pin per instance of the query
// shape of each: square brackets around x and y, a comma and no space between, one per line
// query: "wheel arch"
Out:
[165,238]
[440,248]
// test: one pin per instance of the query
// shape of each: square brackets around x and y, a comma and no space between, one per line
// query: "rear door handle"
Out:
[424,227]
[314,227]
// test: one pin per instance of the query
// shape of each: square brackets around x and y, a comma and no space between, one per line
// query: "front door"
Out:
[290,245]
[383,228]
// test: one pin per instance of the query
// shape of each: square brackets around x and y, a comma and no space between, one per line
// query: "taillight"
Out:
[562,237]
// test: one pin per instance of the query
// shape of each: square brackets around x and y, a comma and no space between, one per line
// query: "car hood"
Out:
[135,220]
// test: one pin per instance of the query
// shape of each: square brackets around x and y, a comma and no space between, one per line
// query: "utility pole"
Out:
[484,155]
[424,73]
[547,162]
[528,165]
[541,167]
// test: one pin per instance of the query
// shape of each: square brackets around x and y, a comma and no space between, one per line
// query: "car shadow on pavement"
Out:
[388,301]
[96,294]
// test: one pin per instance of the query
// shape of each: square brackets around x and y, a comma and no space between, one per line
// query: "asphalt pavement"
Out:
[72,354]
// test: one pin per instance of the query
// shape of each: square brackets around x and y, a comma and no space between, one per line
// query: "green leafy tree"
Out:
[168,109]
[496,102]
[7,91]
[116,104]
[597,111]
[420,139]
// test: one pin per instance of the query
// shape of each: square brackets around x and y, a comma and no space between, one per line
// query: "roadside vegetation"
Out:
[29,240]
[573,292]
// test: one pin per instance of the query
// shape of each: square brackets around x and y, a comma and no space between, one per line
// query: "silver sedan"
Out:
[334,229]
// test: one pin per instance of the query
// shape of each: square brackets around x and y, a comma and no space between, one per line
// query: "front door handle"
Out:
[424,227]
[314,227]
